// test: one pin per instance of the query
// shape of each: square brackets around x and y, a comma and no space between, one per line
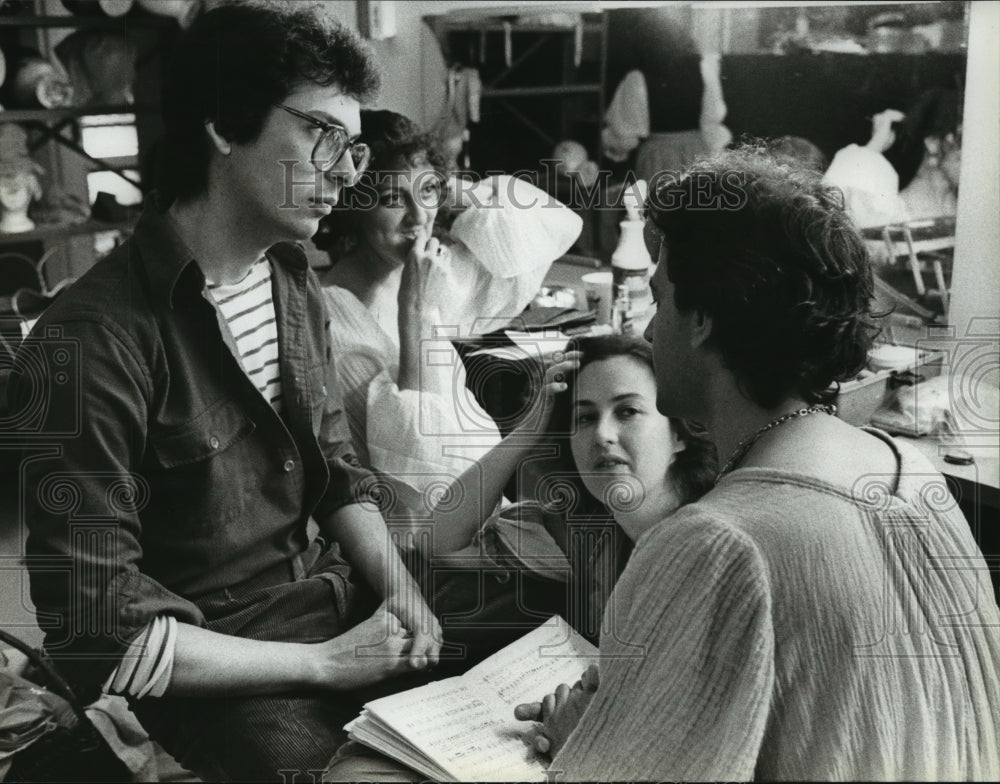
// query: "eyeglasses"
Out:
[333,143]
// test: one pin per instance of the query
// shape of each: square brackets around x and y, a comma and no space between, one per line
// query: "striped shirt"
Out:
[248,307]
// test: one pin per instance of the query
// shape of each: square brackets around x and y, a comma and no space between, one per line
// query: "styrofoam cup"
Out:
[597,288]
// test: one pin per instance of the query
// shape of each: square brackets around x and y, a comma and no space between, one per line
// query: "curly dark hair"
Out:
[233,64]
[798,151]
[693,470]
[397,144]
[767,251]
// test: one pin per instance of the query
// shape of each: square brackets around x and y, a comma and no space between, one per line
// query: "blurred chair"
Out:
[924,244]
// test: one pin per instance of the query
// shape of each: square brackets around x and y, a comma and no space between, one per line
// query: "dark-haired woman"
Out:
[620,467]
[824,612]
[400,289]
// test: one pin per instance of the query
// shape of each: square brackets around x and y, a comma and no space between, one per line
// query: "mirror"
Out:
[871,94]
[814,76]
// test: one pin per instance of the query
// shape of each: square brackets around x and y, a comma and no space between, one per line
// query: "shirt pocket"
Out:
[209,434]
[201,472]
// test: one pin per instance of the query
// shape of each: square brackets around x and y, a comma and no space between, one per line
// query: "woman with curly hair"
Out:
[824,612]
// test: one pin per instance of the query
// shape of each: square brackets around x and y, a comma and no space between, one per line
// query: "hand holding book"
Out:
[558,713]
[464,728]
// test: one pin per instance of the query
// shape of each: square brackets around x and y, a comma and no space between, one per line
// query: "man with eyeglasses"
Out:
[197,427]
[333,142]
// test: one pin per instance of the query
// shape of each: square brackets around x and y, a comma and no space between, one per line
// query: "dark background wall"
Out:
[828,98]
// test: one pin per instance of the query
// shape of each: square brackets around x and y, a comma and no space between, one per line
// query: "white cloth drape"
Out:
[501,249]
[870,186]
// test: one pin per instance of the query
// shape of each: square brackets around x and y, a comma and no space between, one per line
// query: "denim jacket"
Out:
[157,472]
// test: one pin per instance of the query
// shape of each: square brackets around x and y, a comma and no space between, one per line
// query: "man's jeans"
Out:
[276,738]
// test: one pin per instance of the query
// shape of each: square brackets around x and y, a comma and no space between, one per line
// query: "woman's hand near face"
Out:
[424,284]
[422,288]
[536,420]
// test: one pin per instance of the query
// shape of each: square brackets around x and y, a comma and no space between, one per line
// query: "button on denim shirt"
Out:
[155,470]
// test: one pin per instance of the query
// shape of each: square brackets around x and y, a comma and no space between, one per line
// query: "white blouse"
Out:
[501,250]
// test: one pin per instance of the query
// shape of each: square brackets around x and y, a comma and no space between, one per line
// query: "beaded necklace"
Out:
[744,446]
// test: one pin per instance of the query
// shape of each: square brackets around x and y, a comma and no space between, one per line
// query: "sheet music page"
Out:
[458,726]
[531,667]
[466,724]
[369,730]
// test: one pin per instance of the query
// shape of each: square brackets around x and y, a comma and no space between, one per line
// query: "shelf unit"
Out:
[70,112]
[58,129]
[132,20]
[533,91]
[63,230]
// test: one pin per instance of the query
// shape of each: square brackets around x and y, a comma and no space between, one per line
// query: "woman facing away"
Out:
[401,288]
[824,612]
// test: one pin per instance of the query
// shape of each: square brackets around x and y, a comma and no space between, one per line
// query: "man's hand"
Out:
[408,605]
[372,651]
[558,713]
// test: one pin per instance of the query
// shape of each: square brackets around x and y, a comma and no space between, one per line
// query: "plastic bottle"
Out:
[630,261]
[621,311]
[630,264]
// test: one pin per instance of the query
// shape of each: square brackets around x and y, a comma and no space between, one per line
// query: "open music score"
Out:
[463,728]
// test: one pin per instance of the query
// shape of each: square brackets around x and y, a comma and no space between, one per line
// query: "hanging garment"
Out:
[627,124]
[463,93]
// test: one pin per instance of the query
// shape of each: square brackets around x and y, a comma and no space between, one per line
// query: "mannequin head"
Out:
[19,187]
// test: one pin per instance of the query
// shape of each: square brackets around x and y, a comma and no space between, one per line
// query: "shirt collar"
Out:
[163,253]
[166,257]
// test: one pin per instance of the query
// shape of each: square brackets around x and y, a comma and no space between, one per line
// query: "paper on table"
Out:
[538,345]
